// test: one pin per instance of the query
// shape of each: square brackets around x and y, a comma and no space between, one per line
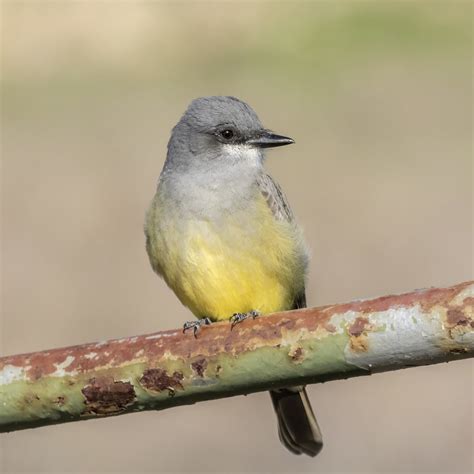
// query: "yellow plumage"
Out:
[245,260]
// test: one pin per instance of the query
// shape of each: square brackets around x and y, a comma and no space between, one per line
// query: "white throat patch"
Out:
[247,154]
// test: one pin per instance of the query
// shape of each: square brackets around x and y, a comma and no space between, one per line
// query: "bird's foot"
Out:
[196,325]
[237,318]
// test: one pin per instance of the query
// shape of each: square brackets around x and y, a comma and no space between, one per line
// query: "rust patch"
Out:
[458,322]
[469,301]
[458,350]
[60,400]
[103,395]
[360,343]
[330,327]
[359,340]
[456,317]
[297,355]
[360,325]
[288,323]
[36,372]
[199,366]
[159,380]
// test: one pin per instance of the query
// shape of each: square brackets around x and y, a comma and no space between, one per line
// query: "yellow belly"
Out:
[243,263]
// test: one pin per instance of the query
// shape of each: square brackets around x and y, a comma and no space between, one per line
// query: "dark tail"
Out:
[297,426]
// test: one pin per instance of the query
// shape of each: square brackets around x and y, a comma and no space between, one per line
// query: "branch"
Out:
[169,368]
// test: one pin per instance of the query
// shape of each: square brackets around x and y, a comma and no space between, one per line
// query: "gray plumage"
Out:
[275,197]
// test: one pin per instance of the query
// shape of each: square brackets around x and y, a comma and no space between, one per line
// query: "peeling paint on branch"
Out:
[166,369]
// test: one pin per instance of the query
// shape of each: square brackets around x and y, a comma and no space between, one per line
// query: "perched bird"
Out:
[222,235]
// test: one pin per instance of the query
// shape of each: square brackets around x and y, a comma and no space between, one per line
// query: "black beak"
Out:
[267,139]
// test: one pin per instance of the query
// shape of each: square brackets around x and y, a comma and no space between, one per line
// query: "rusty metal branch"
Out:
[166,369]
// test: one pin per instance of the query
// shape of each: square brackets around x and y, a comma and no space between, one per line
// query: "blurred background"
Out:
[378,96]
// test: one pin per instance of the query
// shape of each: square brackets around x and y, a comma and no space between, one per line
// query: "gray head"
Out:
[219,131]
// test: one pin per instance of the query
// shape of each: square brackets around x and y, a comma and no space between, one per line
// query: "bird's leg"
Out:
[237,318]
[196,325]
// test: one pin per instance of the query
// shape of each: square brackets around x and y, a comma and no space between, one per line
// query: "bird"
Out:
[222,235]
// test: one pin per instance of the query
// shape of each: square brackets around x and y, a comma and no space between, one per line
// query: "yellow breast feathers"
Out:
[246,260]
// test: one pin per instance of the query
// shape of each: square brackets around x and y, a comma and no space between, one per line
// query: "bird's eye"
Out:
[227,134]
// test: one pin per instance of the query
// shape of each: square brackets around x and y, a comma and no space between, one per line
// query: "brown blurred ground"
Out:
[379,101]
